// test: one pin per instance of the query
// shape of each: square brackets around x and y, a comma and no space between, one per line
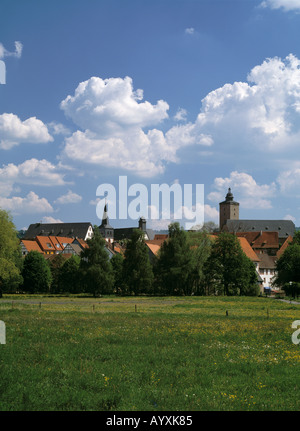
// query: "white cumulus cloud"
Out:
[117,128]
[245,190]
[69,198]
[287,5]
[14,131]
[261,114]
[32,171]
[30,204]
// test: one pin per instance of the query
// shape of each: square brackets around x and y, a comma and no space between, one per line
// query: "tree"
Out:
[288,266]
[200,244]
[228,269]
[117,264]
[137,270]
[68,275]
[10,254]
[174,266]
[95,267]
[55,264]
[296,238]
[36,273]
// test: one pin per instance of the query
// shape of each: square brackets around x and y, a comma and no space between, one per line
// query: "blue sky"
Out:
[169,91]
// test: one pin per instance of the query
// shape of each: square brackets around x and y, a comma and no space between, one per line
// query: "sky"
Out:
[169,92]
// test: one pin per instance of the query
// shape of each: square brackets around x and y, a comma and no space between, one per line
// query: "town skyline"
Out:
[162,92]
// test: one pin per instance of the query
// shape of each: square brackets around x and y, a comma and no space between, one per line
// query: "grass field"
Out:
[148,354]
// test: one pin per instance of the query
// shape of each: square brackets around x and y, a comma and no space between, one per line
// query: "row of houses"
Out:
[263,241]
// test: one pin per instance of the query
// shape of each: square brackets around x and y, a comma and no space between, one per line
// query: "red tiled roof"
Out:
[284,246]
[153,247]
[31,245]
[45,243]
[259,240]
[248,250]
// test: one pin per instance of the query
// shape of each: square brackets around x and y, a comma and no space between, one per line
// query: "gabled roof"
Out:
[70,230]
[248,250]
[31,245]
[45,243]
[283,227]
[267,262]
[261,240]
[284,247]
[83,244]
[154,248]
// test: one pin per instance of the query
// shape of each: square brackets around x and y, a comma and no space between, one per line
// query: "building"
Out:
[126,232]
[228,209]
[230,222]
[106,230]
[28,245]
[70,230]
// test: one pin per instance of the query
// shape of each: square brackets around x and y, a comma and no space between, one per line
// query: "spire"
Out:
[229,196]
[105,220]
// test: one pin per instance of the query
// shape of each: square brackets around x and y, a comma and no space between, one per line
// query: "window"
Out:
[49,245]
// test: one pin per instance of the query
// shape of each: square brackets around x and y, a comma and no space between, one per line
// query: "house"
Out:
[69,230]
[230,222]
[73,249]
[52,244]
[27,246]
[153,249]
[262,242]
[83,244]
[267,269]
[126,232]
[284,246]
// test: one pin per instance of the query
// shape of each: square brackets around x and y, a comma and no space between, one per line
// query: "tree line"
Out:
[188,263]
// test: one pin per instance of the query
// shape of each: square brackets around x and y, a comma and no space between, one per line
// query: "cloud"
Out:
[287,5]
[13,131]
[259,115]
[58,129]
[245,189]
[33,171]
[180,115]
[69,198]
[17,53]
[49,219]
[189,30]
[289,217]
[289,181]
[118,128]
[30,204]
[111,105]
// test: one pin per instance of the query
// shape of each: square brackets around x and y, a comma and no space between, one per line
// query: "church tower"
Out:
[106,230]
[228,210]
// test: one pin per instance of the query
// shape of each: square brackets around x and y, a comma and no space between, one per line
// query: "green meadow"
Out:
[148,354]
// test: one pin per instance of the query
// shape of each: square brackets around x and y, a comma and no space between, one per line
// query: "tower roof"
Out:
[229,198]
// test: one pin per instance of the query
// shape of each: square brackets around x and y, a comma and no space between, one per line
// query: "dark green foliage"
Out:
[36,273]
[55,264]
[288,266]
[137,270]
[174,267]
[117,264]
[69,277]
[228,269]
[95,268]
[200,244]
[10,255]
